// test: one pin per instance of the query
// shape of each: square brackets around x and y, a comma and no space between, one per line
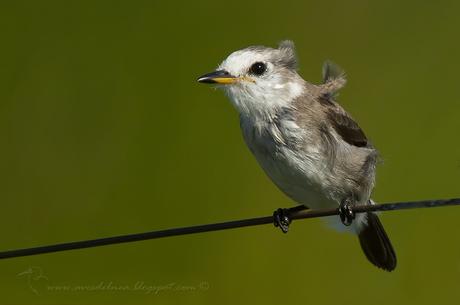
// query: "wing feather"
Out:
[346,127]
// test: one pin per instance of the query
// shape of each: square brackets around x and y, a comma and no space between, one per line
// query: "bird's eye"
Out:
[258,68]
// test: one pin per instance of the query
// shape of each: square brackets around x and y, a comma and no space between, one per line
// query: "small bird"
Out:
[308,145]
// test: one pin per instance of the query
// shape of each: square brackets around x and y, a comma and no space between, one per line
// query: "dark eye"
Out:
[258,68]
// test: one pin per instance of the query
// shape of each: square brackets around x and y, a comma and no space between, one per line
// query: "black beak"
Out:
[217,77]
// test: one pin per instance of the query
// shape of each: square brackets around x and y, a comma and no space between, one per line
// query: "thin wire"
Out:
[221,226]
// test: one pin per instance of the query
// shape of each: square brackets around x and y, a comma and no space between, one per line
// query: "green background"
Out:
[105,131]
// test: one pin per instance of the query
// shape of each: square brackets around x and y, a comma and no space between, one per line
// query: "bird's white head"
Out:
[259,80]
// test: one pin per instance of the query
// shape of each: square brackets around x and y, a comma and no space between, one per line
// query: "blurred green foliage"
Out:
[104,131]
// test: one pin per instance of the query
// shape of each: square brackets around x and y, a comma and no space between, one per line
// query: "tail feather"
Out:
[376,244]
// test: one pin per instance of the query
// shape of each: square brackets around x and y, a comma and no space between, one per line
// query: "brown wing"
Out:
[346,127]
[343,124]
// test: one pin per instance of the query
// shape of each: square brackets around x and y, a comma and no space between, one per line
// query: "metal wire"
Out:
[220,226]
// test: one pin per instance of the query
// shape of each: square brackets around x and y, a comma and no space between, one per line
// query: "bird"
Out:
[304,140]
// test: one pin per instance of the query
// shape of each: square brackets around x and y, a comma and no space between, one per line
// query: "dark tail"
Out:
[376,244]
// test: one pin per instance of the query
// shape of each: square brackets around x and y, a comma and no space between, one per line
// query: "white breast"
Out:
[300,175]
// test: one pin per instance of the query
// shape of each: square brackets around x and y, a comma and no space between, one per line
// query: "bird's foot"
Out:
[281,219]
[346,213]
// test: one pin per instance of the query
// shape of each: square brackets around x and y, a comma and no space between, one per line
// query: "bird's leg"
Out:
[346,212]
[282,217]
